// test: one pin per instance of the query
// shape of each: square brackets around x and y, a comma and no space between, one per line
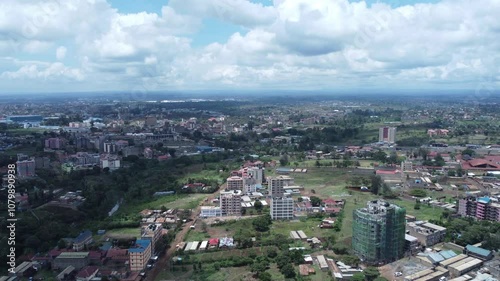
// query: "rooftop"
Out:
[141,246]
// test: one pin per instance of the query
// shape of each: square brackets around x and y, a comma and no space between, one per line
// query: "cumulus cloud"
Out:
[291,44]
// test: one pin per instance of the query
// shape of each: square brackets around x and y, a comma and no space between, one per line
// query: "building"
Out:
[152,232]
[82,240]
[277,184]
[26,168]
[411,244]
[77,260]
[234,183]
[481,208]
[428,234]
[139,255]
[406,166]
[54,143]
[437,132]
[210,211]
[479,253]
[387,134]
[379,232]
[87,273]
[230,203]
[282,208]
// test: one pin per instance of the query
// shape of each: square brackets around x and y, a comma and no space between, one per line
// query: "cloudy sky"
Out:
[117,45]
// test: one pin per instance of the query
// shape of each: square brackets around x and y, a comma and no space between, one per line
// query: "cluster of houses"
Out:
[213,243]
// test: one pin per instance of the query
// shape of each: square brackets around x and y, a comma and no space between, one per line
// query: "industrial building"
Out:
[379,232]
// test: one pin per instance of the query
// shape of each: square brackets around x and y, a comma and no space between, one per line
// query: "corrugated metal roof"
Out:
[448,254]
[477,250]
[435,257]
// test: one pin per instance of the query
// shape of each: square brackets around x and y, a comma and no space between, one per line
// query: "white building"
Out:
[210,211]
[282,208]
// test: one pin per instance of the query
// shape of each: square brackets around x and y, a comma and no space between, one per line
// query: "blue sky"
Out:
[149,45]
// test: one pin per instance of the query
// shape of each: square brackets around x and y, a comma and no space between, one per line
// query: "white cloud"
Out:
[61,52]
[292,44]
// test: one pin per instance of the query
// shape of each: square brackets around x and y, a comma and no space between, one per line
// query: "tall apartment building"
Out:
[479,208]
[276,185]
[282,208]
[139,255]
[54,143]
[406,166]
[379,232]
[230,203]
[257,174]
[428,234]
[387,134]
[152,232]
[26,168]
[234,183]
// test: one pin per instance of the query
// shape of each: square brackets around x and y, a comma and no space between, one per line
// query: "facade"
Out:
[479,208]
[230,204]
[282,208]
[139,255]
[406,166]
[210,211]
[152,232]
[379,232]
[277,184]
[26,168]
[411,244]
[77,260]
[234,183]
[387,134]
[82,240]
[428,234]
[54,143]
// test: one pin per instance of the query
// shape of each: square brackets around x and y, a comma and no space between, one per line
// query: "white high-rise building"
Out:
[282,208]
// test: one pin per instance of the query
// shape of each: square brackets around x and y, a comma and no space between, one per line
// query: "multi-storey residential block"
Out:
[82,240]
[379,232]
[387,134]
[139,255]
[481,208]
[54,143]
[234,183]
[230,203]
[152,232]
[26,168]
[282,208]
[277,184]
[428,234]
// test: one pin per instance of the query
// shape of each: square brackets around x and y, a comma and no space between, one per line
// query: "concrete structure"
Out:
[406,166]
[230,204]
[54,143]
[482,208]
[234,183]
[76,259]
[463,266]
[387,134]
[26,168]
[379,232]
[153,233]
[276,185]
[411,244]
[282,208]
[82,240]
[139,255]
[428,234]
[210,211]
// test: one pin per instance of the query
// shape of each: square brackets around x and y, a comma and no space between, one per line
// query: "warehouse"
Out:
[322,262]
[460,268]
[204,245]
[302,234]
[294,235]
[194,246]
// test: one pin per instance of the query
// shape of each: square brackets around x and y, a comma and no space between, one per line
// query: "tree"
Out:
[262,223]
[376,183]
[340,249]
[371,273]
[351,260]
[315,201]
[288,271]
[258,205]
[284,160]
[358,277]
[265,276]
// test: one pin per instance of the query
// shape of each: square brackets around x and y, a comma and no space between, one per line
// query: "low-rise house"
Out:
[479,253]
[76,259]
[87,273]
[82,240]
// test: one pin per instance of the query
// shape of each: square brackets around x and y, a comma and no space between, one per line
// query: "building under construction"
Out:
[379,232]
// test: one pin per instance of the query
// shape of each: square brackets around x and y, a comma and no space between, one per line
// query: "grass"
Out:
[122,232]
[180,201]
[325,182]
[194,235]
[309,226]
[424,213]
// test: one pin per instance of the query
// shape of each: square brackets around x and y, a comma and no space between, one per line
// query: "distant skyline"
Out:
[183,45]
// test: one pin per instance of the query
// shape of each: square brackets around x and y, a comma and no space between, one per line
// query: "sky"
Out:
[332,45]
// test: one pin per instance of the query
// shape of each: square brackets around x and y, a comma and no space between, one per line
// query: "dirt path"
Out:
[163,262]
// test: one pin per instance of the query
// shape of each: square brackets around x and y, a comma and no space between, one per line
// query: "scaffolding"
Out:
[379,232]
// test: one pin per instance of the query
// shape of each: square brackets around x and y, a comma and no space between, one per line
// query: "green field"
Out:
[182,201]
[194,235]
[122,232]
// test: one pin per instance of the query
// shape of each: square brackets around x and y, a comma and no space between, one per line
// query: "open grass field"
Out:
[309,226]
[180,201]
[130,232]
[324,181]
[194,235]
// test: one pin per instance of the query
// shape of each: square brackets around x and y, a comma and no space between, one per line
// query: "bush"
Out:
[418,193]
